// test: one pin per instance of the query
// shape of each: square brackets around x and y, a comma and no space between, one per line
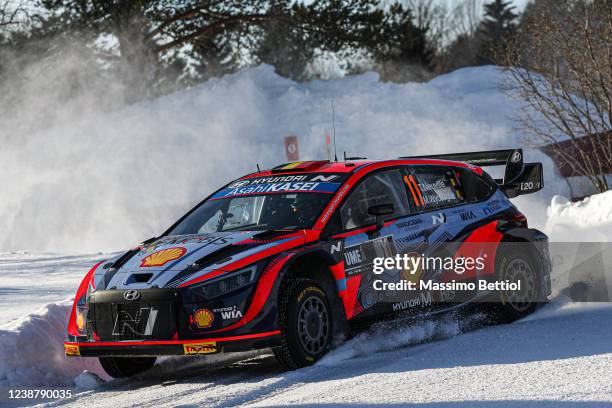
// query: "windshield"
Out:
[254,212]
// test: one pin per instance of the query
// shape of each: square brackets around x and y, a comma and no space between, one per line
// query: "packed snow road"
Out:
[559,357]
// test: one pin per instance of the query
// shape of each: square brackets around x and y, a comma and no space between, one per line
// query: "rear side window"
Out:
[433,187]
[476,188]
[383,187]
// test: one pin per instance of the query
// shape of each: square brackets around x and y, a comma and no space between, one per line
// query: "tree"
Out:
[286,45]
[147,31]
[497,28]
[461,43]
[403,50]
[12,14]
[566,82]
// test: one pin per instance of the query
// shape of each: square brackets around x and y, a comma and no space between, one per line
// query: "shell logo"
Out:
[203,318]
[162,257]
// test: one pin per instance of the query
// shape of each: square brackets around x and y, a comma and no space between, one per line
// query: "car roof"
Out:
[325,166]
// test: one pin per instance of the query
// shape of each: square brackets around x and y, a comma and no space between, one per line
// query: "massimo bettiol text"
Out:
[412,267]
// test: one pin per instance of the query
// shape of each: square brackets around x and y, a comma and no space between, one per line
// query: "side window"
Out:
[475,187]
[433,187]
[384,187]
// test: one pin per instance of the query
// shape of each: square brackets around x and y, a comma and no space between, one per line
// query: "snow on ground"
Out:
[32,351]
[118,190]
[559,357]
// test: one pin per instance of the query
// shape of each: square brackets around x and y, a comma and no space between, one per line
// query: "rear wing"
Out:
[519,177]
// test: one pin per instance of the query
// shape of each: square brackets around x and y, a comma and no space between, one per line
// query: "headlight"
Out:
[227,283]
[81,320]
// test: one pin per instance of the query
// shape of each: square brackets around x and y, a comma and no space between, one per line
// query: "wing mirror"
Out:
[380,211]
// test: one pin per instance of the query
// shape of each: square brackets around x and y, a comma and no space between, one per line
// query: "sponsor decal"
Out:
[352,257]
[128,322]
[326,178]
[228,313]
[423,300]
[334,203]
[492,207]
[417,195]
[467,215]
[162,257]
[409,223]
[411,237]
[204,239]
[439,218]
[72,350]
[295,187]
[447,295]
[359,259]
[309,289]
[203,318]
[337,247]
[200,348]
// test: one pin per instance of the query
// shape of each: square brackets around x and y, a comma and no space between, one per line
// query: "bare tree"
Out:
[561,67]
[12,14]
[461,41]
[465,18]
[432,18]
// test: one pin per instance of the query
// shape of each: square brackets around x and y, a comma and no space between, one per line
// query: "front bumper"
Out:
[172,347]
[165,322]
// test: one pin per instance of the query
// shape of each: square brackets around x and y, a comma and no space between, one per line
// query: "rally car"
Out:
[283,259]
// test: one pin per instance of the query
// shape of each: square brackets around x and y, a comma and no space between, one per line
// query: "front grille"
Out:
[112,318]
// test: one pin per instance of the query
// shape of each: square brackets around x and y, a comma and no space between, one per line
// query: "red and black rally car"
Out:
[283,258]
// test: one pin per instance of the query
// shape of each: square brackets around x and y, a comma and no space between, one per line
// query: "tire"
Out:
[306,322]
[120,367]
[517,264]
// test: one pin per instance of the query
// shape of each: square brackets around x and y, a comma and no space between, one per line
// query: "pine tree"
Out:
[406,54]
[497,28]
[284,44]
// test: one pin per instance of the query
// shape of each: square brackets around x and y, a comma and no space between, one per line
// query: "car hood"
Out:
[171,260]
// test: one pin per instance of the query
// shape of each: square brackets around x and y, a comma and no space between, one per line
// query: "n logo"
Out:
[323,178]
[336,247]
[140,323]
[439,218]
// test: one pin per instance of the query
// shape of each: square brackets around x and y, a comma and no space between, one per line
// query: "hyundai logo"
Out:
[516,157]
[131,295]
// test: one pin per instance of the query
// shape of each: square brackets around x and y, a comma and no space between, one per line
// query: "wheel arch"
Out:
[316,265]
[538,250]
[530,236]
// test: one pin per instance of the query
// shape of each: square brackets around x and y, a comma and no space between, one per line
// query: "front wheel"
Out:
[306,323]
[119,367]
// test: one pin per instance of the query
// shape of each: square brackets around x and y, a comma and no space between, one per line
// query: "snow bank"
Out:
[589,220]
[105,181]
[32,353]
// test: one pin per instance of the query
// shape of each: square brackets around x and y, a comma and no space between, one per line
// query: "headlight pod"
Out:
[81,320]
[227,283]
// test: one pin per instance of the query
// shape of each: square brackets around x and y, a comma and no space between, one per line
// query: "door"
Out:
[364,243]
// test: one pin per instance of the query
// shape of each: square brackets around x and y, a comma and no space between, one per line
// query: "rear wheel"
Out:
[517,266]
[306,322]
[119,367]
